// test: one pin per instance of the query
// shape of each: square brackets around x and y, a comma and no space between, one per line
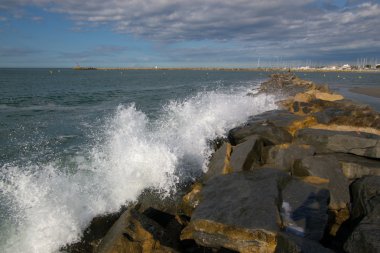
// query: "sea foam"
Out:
[46,207]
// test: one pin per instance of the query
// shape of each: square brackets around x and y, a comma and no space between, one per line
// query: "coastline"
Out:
[313,158]
[232,69]
[369,91]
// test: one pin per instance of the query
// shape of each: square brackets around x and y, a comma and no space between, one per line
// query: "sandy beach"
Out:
[369,91]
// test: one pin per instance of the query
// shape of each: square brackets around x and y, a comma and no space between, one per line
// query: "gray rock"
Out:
[246,154]
[239,211]
[365,237]
[271,125]
[287,243]
[366,212]
[304,209]
[216,164]
[354,167]
[327,168]
[282,156]
[325,141]
[365,195]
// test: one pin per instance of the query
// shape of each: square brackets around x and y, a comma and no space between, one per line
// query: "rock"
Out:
[246,154]
[219,162]
[346,128]
[328,96]
[192,199]
[282,156]
[348,113]
[366,214]
[355,167]
[286,83]
[135,232]
[365,237]
[304,209]
[287,243]
[328,168]
[276,126]
[239,211]
[303,97]
[358,143]
[365,195]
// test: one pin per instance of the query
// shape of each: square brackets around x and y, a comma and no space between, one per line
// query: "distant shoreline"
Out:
[236,69]
[368,91]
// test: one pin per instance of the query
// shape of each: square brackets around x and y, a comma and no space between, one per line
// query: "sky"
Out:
[191,33]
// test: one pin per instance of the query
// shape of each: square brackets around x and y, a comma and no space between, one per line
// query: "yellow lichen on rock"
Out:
[301,123]
[234,238]
[227,166]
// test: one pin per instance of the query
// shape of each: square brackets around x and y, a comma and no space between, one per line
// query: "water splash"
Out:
[46,207]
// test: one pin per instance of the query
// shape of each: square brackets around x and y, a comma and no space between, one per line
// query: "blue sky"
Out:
[172,33]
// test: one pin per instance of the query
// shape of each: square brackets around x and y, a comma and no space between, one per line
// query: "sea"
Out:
[78,144]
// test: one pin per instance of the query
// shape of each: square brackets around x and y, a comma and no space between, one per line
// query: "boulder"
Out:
[358,143]
[365,236]
[366,214]
[239,211]
[192,199]
[365,195]
[327,96]
[328,168]
[304,209]
[246,154]
[276,126]
[286,83]
[137,233]
[219,162]
[282,156]
[355,167]
[288,243]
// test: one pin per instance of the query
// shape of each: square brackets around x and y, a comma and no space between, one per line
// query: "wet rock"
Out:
[282,156]
[192,199]
[358,143]
[366,214]
[239,211]
[328,168]
[288,243]
[304,209]
[246,154]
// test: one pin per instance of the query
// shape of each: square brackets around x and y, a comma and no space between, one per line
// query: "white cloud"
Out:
[295,25]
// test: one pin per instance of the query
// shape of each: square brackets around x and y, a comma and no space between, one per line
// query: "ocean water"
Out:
[77,144]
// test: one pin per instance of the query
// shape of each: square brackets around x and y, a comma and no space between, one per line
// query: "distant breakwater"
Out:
[233,69]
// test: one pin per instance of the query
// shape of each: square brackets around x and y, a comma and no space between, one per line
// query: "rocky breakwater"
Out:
[303,178]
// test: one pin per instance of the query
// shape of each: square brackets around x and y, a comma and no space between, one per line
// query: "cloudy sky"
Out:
[176,33]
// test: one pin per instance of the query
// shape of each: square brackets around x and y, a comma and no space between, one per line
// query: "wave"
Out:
[45,207]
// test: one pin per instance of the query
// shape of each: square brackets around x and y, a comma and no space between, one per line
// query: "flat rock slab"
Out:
[355,167]
[325,141]
[239,211]
[327,168]
[217,162]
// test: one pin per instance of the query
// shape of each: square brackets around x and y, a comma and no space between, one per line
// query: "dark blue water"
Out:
[76,144]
